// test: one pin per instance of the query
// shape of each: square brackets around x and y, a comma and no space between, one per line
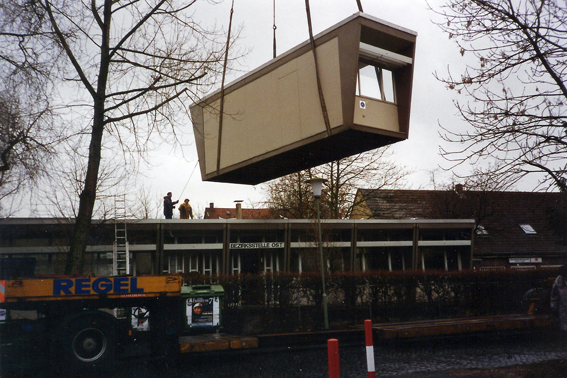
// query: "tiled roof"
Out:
[228,213]
[499,213]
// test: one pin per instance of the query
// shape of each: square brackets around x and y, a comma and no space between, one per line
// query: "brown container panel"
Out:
[273,123]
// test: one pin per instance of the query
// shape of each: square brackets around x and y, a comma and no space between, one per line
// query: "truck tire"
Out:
[89,343]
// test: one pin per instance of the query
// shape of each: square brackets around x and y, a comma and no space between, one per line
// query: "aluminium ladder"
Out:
[121,251]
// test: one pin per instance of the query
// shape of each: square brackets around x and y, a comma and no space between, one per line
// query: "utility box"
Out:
[202,306]
[273,123]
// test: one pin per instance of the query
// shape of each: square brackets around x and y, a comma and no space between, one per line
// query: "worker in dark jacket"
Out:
[168,206]
[559,299]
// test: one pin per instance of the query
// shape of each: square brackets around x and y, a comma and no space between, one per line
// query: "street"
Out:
[422,358]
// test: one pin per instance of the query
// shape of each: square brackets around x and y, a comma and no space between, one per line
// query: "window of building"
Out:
[271,261]
[550,266]
[401,258]
[46,263]
[190,262]
[453,257]
[492,268]
[378,259]
[442,258]
[523,267]
[528,229]
[433,259]
[175,263]
[295,262]
[391,259]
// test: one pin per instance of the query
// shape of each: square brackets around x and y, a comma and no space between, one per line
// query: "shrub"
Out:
[287,302]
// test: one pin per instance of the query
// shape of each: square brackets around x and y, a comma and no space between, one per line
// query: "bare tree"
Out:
[146,205]
[514,85]
[291,196]
[28,135]
[26,140]
[127,71]
[374,169]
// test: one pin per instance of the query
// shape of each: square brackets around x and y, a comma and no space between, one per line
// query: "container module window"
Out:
[375,82]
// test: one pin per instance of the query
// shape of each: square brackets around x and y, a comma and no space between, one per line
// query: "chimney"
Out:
[212,205]
[238,209]
[459,188]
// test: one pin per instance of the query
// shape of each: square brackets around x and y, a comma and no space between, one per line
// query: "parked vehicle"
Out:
[79,323]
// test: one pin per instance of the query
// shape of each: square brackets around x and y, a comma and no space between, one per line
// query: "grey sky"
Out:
[431,103]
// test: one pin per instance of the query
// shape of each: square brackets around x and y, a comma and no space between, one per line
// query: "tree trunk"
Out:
[76,258]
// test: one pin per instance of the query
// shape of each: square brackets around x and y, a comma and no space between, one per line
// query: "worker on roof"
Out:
[185,210]
[168,206]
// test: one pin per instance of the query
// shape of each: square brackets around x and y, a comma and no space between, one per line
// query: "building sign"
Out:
[256,245]
[525,260]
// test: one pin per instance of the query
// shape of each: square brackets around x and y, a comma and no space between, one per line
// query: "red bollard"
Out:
[333,353]
[369,348]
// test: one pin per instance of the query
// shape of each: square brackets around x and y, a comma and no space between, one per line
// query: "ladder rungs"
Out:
[121,254]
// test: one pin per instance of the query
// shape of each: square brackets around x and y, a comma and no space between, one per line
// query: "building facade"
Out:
[241,246]
[513,230]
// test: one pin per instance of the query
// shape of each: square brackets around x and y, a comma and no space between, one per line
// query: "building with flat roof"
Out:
[238,246]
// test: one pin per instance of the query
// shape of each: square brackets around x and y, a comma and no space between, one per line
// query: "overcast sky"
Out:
[431,103]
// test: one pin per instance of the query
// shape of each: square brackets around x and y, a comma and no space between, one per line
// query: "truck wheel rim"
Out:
[89,344]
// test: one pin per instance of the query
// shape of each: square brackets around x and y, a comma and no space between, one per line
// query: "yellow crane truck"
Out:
[79,322]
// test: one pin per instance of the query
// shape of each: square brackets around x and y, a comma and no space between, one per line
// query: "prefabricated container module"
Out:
[273,123]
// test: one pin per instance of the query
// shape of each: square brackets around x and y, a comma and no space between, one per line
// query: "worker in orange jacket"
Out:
[185,210]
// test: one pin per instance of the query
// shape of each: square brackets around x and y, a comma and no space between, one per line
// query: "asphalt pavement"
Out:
[461,357]
[466,356]
[494,355]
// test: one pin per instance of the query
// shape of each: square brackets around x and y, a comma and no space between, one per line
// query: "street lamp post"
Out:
[316,185]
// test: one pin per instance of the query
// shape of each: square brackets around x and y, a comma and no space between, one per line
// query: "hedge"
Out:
[284,302]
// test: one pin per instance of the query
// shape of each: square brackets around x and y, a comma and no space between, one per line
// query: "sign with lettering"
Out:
[260,245]
[525,260]
[90,287]
[102,285]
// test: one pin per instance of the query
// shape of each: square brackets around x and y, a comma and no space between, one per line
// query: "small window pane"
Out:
[388,85]
[375,82]
[368,84]
[528,229]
